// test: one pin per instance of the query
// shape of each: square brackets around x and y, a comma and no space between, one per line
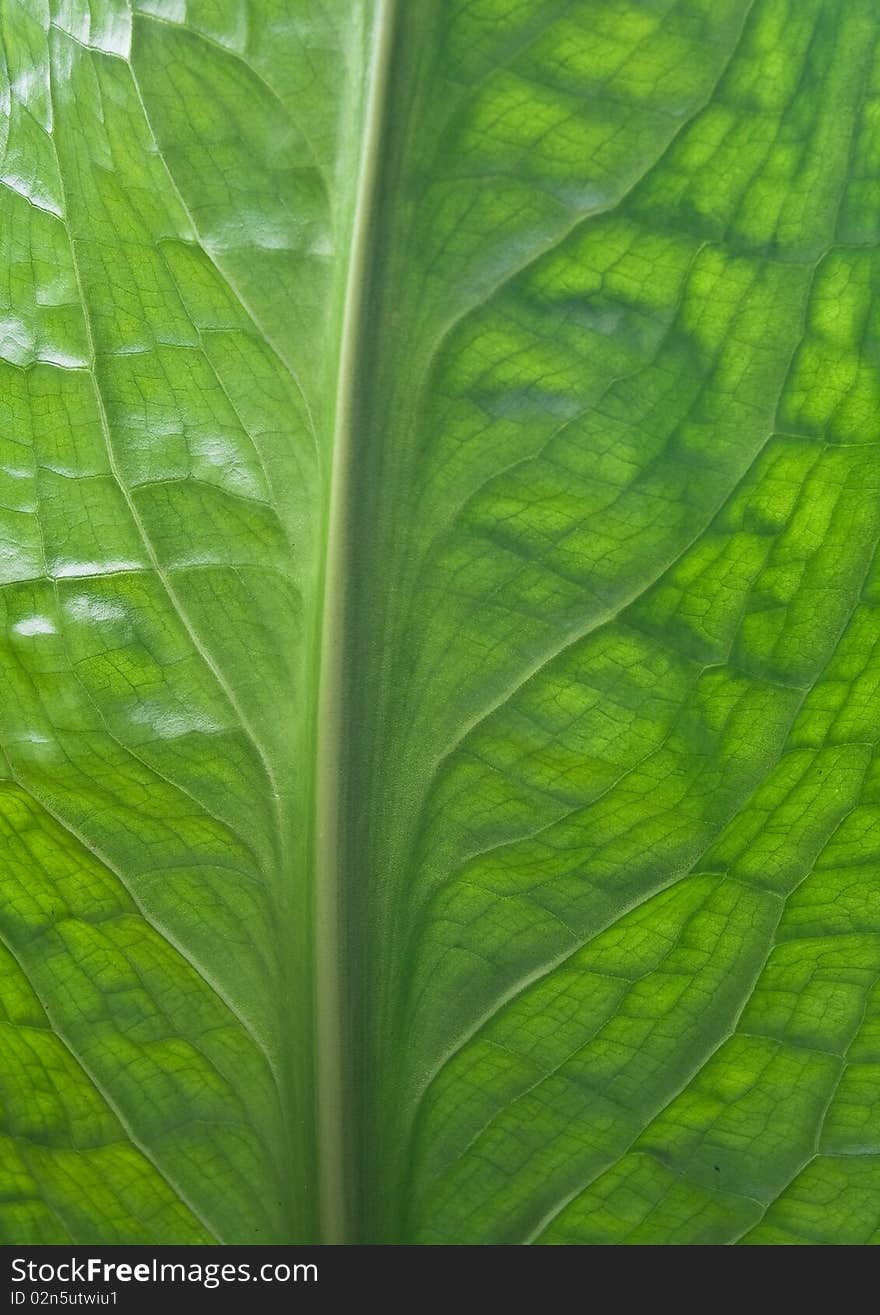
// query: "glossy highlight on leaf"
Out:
[439,513]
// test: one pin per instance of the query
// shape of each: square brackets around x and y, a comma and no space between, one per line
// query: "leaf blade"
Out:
[164,603]
[629,566]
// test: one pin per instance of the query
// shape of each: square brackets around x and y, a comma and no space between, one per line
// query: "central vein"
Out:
[329,822]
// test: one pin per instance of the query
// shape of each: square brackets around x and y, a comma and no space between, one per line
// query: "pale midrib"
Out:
[331,1112]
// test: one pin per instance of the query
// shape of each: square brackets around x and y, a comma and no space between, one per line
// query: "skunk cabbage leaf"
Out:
[439,509]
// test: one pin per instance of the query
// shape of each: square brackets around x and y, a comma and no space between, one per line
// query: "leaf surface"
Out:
[438,542]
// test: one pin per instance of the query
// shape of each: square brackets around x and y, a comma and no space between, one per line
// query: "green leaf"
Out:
[438,551]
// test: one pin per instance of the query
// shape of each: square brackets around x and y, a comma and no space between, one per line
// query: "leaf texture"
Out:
[624,918]
[168,354]
[537,344]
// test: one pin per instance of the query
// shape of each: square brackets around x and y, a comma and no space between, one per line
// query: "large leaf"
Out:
[438,531]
